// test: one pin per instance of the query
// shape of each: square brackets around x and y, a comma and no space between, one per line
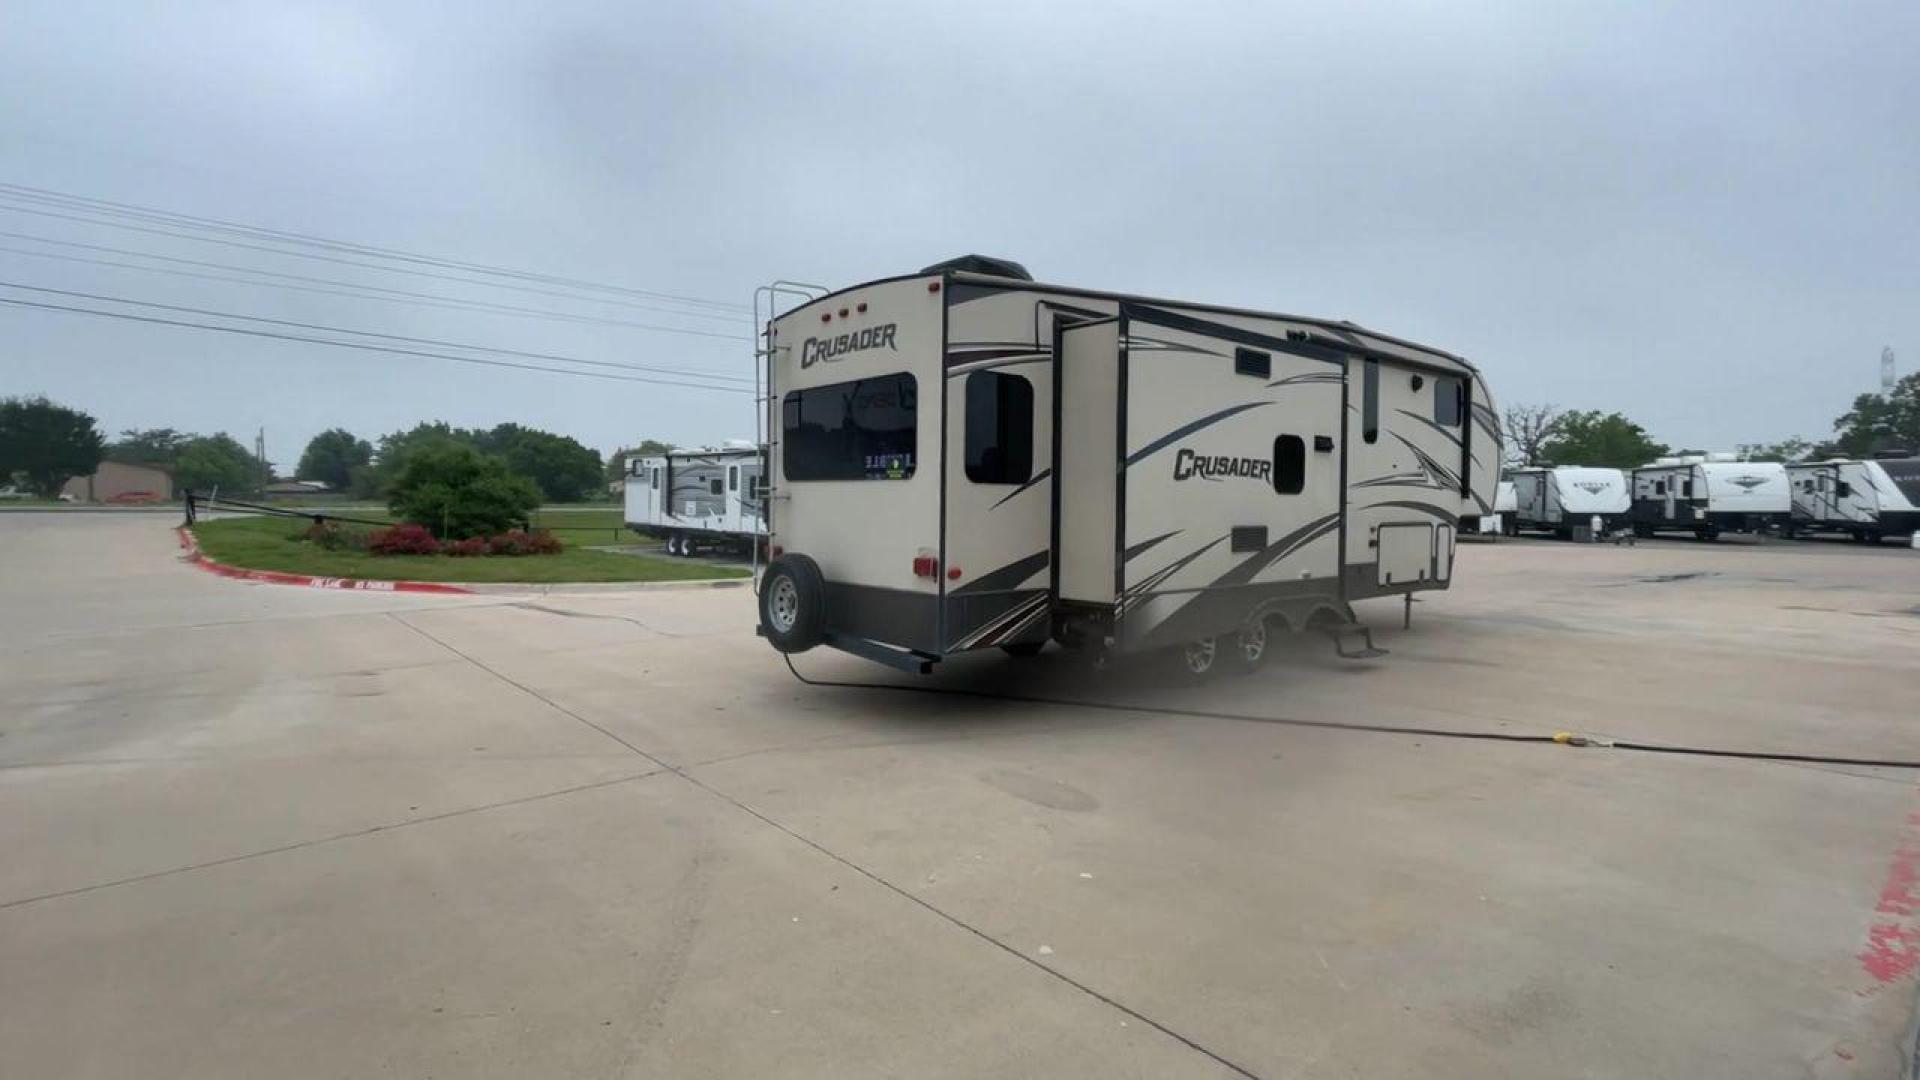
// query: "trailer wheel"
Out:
[793,604]
[1250,646]
[673,543]
[1025,650]
[1709,533]
[1197,659]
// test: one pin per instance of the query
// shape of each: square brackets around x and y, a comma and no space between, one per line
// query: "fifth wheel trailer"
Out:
[1564,498]
[1867,499]
[1710,494]
[964,459]
[698,498]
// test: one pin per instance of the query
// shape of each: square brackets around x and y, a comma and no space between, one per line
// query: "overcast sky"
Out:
[1706,216]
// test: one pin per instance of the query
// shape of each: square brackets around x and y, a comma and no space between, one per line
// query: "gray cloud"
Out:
[1704,216]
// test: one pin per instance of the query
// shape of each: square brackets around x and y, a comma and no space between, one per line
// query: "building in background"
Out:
[122,482]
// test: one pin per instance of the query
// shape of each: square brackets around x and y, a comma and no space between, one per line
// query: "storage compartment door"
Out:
[1406,554]
[1086,476]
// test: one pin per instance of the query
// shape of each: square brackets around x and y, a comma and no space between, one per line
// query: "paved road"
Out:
[258,830]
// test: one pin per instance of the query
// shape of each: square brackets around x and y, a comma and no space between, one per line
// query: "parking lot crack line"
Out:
[873,876]
[282,849]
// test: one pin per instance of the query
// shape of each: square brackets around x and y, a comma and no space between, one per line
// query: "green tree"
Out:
[207,462]
[332,456]
[457,492]
[1795,449]
[152,446]
[562,468]
[46,443]
[1599,439]
[617,461]
[1882,421]
[395,449]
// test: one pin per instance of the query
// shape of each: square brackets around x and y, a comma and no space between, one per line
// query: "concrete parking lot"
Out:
[260,830]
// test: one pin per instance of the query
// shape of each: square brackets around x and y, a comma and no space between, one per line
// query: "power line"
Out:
[364,348]
[25,191]
[433,299]
[376,334]
[330,259]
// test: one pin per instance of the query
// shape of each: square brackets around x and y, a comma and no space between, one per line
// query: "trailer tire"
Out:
[1250,646]
[1024,650]
[673,543]
[793,604]
[1200,659]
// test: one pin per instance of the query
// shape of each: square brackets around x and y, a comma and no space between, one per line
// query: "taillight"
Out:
[926,566]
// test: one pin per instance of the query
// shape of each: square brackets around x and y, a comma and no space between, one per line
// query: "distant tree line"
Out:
[43,444]
[1548,435]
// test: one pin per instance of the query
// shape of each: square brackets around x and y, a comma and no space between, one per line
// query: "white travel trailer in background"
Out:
[963,458]
[1564,498]
[1710,494]
[1505,502]
[1867,499]
[698,498]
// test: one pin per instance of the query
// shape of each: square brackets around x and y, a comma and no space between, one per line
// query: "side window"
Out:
[656,477]
[999,443]
[713,486]
[1686,489]
[1449,399]
[1659,487]
[1289,464]
[1252,362]
[860,430]
[1843,489]
[733,478]
[1370,401]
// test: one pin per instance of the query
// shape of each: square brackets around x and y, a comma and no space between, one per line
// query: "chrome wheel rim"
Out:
[783,604]
[1199,655]
[1253,643]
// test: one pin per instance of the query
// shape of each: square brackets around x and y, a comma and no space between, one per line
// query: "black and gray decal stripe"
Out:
[1037,477]
[1185,430]
[1451,437]
[1136,549]
[1415,479]
[1000,624]
[1007,577]
[1148,344]
[959,355]
[1440,512]
[1434,468]
[1278,550]
[1311,377]
[1173,568]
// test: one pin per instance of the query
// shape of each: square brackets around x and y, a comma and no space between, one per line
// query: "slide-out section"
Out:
[1086,450]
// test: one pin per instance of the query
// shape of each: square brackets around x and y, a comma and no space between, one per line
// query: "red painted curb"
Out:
[275,577]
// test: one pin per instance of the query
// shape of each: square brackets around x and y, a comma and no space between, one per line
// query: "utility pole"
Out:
[1886,370]
[260,455]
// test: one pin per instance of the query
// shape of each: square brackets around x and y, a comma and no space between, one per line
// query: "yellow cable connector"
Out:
[1568,738]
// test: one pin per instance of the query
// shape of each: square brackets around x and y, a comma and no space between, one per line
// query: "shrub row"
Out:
[418,540]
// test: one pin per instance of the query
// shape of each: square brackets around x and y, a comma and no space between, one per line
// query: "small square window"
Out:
[1252,362]
[714,486]
[1289,464]
[1659,487]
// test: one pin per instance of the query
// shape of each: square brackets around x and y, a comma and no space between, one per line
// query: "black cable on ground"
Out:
[1562,738]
